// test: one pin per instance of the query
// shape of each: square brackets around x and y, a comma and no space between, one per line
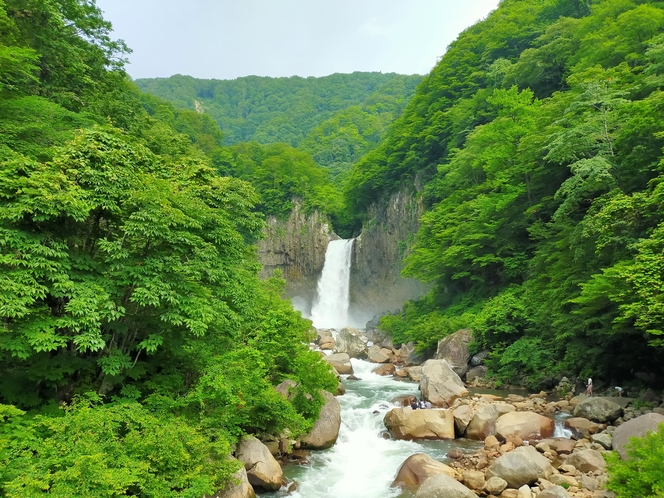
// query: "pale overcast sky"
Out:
[226,39]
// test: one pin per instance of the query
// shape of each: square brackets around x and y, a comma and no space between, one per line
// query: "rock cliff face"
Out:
[296,247]
[376,285]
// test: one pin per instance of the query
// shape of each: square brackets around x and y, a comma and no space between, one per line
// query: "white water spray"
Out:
[330,310]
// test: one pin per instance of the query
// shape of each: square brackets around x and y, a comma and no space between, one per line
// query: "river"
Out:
[363,464]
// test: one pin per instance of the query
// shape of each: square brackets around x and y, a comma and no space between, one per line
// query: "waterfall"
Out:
[330,310]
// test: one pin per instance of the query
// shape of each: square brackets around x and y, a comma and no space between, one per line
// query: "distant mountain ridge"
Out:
[269,110]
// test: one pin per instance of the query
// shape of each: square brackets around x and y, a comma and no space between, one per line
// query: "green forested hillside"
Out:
[539,135]
[136,341]
[270,110]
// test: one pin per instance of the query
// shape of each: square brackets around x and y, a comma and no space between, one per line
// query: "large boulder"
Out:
[443,486]
[263,471]
[526,425]
[325,339]
[440,384]
[587,461]
[340,362]
[598,409]
[454,350]
[376,354]
[483,423]
[418,468]
[326,429]
[523,465]
[406,423]
[582,427]
[462,416]
[237,487]
[478,372]
[637,427]
[352,342]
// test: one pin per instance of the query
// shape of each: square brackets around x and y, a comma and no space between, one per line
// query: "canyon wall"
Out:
[376,285]
[296,246]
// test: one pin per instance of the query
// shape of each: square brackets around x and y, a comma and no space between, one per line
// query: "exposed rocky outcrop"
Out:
[405,423]
[526,425]
[263,470]
[454,350]
[440,384]
[483,422]
[376,284]
[296,246]
[418,468]
[326,429]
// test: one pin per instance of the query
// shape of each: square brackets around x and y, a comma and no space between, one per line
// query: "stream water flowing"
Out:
[330,309]
[363,464]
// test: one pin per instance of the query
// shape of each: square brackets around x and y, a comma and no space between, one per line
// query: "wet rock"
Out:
[440,384]
[376,354]
[326,429]
[637,427]
[237,487]
[263,471]
[587,461]
[582,427]
[353,377]
[418,468]
[598,410]
[454,350]
[405,423]
[352,342]
[340,362]
[526,425]
[455,454]
[522,466]
[385,369]
[443,486]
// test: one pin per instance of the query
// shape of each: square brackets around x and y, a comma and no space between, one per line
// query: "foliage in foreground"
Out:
[641,473]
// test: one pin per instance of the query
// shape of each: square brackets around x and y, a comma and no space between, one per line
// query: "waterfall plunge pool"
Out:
[362,464]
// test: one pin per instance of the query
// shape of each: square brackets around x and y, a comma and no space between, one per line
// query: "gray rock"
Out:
[554,492]
[352,342]
[478,372]
[326,429]
[523,465]
[495,485]
[478,359]
[238,487]
[340,362]
[263,471]
[598,409]
[637,427]
[440,384]
[462,416]
[443,486]
[376,354]
[483,422]
[587,461]
[588,482]
[603,439]
[454,350]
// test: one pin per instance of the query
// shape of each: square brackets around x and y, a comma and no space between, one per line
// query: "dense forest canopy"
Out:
[271,110]
[539,140]
[136,341]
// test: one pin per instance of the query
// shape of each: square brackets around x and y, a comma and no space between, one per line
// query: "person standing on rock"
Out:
[620,391]
[589,387]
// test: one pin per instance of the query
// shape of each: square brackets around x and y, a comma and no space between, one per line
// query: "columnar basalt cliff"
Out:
[376,285]
[296,246]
